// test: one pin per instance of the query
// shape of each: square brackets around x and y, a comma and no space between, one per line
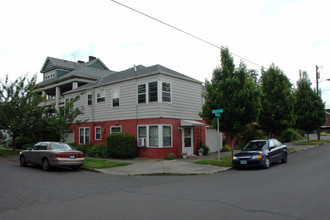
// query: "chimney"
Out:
[80,61]
[92,58]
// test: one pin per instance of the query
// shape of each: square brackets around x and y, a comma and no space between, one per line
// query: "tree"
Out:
[309,108]
[62,120]
[277,102]
[234,91]
[20,106]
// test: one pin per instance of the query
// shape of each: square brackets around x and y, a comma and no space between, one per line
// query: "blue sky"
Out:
[292,34]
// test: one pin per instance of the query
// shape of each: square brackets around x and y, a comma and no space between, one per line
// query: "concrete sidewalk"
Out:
[167,167]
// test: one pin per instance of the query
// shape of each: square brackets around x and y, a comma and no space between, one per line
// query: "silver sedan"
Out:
[52,154]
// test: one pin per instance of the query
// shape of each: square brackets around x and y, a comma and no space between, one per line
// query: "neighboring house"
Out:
[326,125]
[159,106]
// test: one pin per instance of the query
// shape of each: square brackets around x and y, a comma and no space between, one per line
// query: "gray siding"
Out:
[185,103]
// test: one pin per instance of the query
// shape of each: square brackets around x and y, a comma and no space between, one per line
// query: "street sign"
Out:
[217,114]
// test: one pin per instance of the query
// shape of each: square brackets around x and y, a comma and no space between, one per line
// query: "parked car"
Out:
[52,154]
[5,142]
[261,153]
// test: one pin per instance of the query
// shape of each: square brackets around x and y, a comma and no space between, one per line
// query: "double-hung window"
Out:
[115,98]
[166,92]
[98,133]
[100,96]
[153,91]
[89,99]
[156,136]
[84,135]
[142,93]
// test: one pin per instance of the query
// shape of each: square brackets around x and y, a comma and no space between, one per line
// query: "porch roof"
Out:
[191,123]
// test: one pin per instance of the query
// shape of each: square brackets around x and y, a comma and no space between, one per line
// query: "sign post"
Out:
[217,114]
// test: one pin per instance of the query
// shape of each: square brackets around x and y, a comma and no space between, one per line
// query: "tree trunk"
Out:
[14,142]
[308,137]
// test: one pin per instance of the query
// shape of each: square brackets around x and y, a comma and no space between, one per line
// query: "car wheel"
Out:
[45,164]
[285,157]
[22,161]
[266,164]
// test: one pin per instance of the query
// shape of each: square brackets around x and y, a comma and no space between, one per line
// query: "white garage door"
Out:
[212,139]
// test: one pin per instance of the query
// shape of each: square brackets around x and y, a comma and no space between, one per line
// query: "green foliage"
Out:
[289,135]
[225,161]
[102,164]
[97,151]
[1,135]
[83,148]
[277,101]
[203,148]
[20,108]
[26,146]
[121,145]
[25,140]
[252,132]
[309,108]
[234,91]
[323,133]
[170,156]
[225,148]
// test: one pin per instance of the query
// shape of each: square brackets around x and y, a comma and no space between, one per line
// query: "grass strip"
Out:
[4,152]
[224,161]
[311,142]
[102,164]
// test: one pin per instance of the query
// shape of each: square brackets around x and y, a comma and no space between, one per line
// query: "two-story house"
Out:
[157,105]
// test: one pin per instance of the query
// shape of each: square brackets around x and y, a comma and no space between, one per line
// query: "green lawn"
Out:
[224,161]
[101,164]
[4,152]
[311,142]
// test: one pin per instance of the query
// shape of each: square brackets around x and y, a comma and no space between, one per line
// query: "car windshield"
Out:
[60,146]
[255,146]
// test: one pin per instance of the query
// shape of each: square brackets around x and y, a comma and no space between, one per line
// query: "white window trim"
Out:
[87,99]
[160,134]
[119,126]
[161,91]
[113,96]
[102,95]
[145,93]
[100,133]
[84,130]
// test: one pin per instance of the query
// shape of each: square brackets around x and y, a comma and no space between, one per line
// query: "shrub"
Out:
[323,133]
[225,148]
[121,145]
[97,151]
[20,141]
[83,148]
[170,156]
[26,146]
[289,135]
[203,148]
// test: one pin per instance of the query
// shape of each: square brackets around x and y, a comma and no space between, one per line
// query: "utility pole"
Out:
[317,92]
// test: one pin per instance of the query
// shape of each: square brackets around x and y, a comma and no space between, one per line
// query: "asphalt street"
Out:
[296,190]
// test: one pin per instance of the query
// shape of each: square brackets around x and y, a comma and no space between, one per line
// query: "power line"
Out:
[182,31]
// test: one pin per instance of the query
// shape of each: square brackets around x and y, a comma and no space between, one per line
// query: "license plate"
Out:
[243,162]
[72,156]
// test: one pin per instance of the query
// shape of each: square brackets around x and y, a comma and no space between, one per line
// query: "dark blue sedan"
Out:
[261,153]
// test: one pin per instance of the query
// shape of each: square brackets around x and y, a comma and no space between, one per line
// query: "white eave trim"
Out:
[191,123]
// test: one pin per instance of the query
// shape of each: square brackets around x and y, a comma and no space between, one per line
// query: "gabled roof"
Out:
[133,73]
[55,63]
[84,72]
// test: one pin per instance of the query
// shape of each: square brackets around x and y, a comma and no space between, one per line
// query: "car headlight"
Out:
[257,157]
[235,158]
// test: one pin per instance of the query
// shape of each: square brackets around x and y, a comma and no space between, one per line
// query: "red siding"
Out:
[130,126]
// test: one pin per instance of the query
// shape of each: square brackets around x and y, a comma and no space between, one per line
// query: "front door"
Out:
[187,140]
